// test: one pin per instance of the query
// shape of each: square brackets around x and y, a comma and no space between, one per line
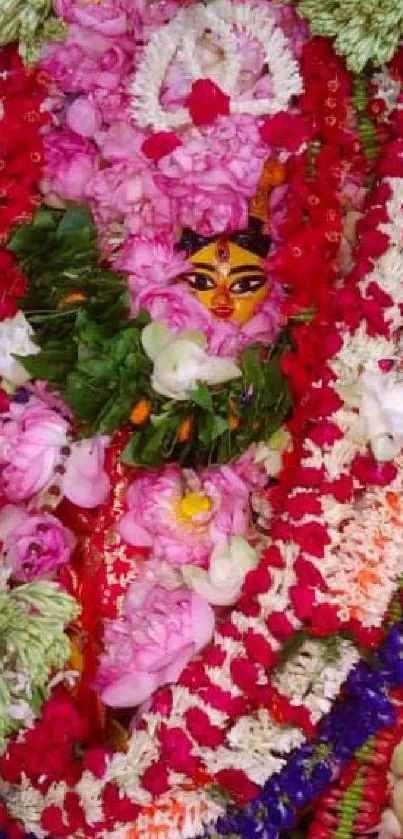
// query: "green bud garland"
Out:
[364,30]
[32,646]
[31,23]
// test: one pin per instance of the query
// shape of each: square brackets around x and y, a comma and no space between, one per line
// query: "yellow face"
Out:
[228,280]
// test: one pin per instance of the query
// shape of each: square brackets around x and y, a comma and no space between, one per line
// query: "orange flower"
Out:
[140,412]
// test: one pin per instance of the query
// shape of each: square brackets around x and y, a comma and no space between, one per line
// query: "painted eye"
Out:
[200,282]
[248,284]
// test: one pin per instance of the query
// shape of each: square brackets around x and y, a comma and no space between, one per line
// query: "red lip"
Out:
[223,312]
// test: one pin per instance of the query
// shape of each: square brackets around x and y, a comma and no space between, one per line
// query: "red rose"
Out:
[206,102]
[160,144]
[286,131]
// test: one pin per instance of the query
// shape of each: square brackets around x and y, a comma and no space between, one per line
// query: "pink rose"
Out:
[35,453]
[183,516]
[34,545]
[106,17]
[31,439]
[71,163]
[149,647]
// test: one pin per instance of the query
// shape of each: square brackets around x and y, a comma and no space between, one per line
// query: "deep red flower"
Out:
[95,760]
[206,102]
[243,673]
[260,650]
[52,821]
[366,469]
[237,784]
[202,730]
[312,537]
[286,131]
[324,619]
[155,779]
[161,144]
[308,574]
[176,750]
[301,504]
[280,626]
[302,599]
[116,807]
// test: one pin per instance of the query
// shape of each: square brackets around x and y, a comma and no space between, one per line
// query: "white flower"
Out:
[270,454]
[15,339]
[381,413]
[229,563]
[180,363]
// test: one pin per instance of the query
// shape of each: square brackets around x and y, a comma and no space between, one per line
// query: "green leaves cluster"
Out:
[91,352]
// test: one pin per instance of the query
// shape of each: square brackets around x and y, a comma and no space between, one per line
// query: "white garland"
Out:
[178,40]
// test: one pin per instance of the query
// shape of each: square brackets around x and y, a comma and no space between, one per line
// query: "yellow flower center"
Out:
[193,504]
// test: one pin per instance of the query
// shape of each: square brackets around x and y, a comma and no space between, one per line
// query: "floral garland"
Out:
[309,564]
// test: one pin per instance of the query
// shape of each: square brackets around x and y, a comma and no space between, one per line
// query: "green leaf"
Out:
[143,450]
[213,427]
[202,396]
[76,219]
[51,364]
[252,368]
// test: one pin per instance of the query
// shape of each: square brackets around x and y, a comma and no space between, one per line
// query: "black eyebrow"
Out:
[204,265]
[242,268]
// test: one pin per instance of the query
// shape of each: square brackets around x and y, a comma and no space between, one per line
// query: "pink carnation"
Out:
[161,630]
[34,545]
[107,17]
[71,163]
[184,516]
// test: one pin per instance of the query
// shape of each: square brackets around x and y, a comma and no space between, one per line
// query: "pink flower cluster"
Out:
[161,515]
[204,179]
[36,456]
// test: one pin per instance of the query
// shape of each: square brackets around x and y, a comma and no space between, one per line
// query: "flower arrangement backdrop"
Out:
[201,419]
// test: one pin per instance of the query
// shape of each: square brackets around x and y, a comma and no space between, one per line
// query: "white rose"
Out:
[15,339]
[180,363]
[381,413]
[229,564]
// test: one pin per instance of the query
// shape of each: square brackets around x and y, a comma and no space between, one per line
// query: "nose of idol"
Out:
[228,280]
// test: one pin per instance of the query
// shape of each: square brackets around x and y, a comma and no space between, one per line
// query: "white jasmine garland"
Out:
[222,19]
[15,339]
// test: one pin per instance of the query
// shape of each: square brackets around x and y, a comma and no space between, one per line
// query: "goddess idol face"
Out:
[229,280]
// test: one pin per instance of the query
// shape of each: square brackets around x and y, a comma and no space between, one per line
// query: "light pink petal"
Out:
[133,533]
[130,690]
